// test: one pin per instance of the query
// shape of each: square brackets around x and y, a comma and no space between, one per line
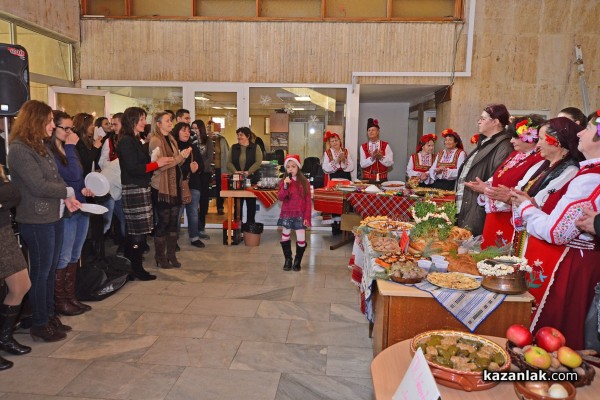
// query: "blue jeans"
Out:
[191,210]
[75,232]
[115,207]
[44,243]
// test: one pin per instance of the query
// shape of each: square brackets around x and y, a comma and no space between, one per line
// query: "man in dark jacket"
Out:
[492,149]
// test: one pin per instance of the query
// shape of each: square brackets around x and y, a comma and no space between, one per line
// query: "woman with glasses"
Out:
[207,149]
[88,147]
[75,225]
[136,172]
[43,192]
[495,193]
[166,190]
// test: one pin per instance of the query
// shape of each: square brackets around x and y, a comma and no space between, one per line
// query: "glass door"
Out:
[75,100]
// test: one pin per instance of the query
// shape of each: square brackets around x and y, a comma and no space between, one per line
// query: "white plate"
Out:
[93,208]
[394,183]
[97,183]
[372,189]
[346,188]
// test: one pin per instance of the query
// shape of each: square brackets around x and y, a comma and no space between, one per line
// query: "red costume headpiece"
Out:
[424,139]
[329,135]
[450,132]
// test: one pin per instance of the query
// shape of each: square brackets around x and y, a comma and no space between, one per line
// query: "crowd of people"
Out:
[529,183]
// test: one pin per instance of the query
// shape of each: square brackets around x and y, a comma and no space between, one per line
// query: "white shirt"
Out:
[330,166]
[558,228]
[104,155]
[447,156]
[424,159]
[387,160]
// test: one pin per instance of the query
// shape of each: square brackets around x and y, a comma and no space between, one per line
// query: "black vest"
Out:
[236,151]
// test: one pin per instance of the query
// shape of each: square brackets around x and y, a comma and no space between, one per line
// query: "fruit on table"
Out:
[569,357]
[519,335]
[538,357]
[550,339]
[558,391]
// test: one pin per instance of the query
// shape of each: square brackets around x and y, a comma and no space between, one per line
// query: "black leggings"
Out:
[167,214]
[204,199]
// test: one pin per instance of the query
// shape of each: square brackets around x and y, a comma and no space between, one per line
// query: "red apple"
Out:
[519,335]
[569,357]
[538,357]
[550,339]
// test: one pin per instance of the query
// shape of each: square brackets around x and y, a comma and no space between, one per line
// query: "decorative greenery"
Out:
[433,220]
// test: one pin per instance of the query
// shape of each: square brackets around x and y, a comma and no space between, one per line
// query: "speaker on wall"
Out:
[14,78]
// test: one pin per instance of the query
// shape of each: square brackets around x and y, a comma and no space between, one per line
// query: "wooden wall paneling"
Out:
[61,18]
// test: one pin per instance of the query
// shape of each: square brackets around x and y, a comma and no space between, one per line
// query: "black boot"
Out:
[287,252]
[160,243]
[5,364]
[335,228]
[8,317]
[172,248]
[138,271]
[298,258]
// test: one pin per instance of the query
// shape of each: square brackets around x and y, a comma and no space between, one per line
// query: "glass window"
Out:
[151,99]
[306,113]
[106,7]
[221,108]
[356,9]
[80,103]
[47,56]
[290,8]
[226,8]
[5,32]
[172,8]
[423,8]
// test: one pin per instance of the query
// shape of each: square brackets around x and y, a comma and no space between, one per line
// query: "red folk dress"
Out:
[570,291]
[498,229]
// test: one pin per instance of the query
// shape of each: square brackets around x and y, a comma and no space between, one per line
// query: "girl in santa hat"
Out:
[296,207]
[420,162]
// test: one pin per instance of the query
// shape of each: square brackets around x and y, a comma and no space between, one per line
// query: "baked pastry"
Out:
[462,263]
[437,246]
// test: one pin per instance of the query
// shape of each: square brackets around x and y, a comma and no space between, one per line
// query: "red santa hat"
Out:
[295,158]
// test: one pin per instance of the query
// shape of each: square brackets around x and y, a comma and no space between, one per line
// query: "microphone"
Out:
[286,185]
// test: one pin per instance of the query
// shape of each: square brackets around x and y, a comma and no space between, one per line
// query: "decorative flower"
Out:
[475,138]
[376,122]
[551,140]
[447,132]
[526,131]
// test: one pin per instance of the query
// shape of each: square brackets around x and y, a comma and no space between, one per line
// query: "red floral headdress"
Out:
[526,131]
[596,121]
[475,138]
[450,132]
[329,135]
[424,139]
[551,140]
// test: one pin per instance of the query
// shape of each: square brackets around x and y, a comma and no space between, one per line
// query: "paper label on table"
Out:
[418,382]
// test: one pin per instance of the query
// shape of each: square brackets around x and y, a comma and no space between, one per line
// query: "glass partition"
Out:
[221,108]
[151,99]
[47,56]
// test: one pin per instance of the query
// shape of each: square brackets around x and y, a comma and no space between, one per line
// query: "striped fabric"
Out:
[328,201]
[266,197]
[137,206]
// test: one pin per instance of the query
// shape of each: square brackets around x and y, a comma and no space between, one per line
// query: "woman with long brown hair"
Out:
[34,173]
[166,190]
[87,147]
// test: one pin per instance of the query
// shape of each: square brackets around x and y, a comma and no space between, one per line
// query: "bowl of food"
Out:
[457,359]
[543,390]
[407,273]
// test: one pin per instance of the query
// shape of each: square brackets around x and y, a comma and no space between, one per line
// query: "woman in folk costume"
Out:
[337,163]
[375,155]
[495,192]
[420,162]
[571,289]
[444,170]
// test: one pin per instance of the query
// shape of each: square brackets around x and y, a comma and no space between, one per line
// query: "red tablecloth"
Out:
[395,207]
[328,201]
[266,197]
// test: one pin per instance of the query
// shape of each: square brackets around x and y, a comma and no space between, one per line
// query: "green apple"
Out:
[569,357]
[538,357]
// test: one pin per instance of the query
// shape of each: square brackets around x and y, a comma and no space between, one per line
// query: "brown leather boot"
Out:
[70,281]
[46,333]
[62,304]
[172,248]
[57,324]
[160,256]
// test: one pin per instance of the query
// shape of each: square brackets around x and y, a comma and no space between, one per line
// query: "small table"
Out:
[402,312]
[229,195]
[389,367]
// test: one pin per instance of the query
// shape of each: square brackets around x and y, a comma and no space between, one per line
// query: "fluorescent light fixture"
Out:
[201,98]
[298,108]
[230,108]
[302,98]
[217,107]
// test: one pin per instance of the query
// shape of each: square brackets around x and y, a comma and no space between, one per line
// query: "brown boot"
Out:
[46,333]
[70,279]
[62,305]
[171,249]
[57,324]
[160,248]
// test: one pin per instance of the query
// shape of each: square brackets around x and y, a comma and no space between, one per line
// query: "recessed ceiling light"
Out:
[217,107]
[201,98]
[298,108]
[302,98]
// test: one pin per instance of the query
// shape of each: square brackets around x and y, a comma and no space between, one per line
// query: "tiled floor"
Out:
[229,325]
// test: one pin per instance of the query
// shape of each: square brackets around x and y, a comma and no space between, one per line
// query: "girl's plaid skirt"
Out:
[137,206]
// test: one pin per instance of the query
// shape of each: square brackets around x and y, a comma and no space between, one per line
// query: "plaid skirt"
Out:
[137,207]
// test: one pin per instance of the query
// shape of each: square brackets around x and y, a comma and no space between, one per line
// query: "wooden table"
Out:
[402,312]
[389,367]
[229,195]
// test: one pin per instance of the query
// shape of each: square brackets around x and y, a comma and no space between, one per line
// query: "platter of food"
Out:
[386,260]
[407,273]
[420,191]
[457,359]
[346,188]
[390,225]
[393,184]
[384,244]
[453,280]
